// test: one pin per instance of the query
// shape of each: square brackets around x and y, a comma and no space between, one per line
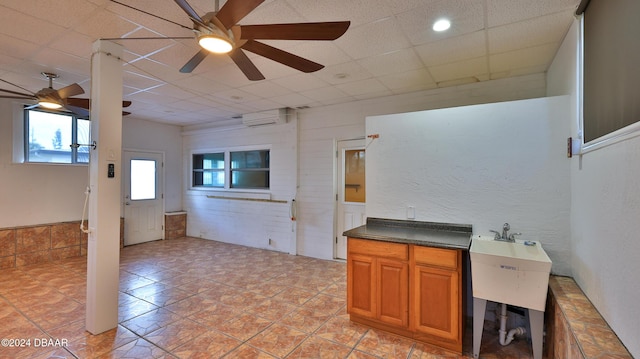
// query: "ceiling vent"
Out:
[270,117]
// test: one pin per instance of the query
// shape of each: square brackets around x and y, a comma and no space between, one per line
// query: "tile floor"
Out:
[195,298]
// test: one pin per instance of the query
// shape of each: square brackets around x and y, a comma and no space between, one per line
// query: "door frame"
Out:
[123,184]
[339,161]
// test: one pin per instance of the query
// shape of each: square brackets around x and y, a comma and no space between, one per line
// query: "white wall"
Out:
[482,165]
[321,127]
[48,193]
[249,223]
[604,214]
[142,135]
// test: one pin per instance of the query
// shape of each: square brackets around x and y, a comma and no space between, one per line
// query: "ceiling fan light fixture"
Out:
[50,104]
[215,43]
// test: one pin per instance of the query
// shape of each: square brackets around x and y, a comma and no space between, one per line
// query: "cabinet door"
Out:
[361,282]
[437,303]
[393,292]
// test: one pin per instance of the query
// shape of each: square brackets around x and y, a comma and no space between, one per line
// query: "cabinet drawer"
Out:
[446,258]
[378,249]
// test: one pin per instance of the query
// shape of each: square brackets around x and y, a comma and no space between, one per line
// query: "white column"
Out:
[103,258]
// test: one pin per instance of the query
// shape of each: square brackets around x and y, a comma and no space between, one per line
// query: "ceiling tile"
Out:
[409,81]
[343,73]
[292,100]
[64,13]
[522,59]
[373,38]
[453,49]
[325,94]
[466,16]
[300,82]
[362,87]
[392,62]
[538,31]
[22,29]
[459,70]
[356,11]
[501,12]
[105,25]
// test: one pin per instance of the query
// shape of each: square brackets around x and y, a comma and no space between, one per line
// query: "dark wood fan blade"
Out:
[295,31]
[195,61]
[22,95]
[84,102]
[246,66]
[71,90]
[188,9]
[235,10]
[283,57]
[124,113]
[78,102]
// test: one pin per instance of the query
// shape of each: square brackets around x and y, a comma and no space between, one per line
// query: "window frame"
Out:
[228,187]
[73,154]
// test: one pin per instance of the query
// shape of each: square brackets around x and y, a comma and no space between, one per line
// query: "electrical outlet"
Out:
[270,241]
[411,212]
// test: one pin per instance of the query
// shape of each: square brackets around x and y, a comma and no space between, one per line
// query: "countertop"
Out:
[430,234]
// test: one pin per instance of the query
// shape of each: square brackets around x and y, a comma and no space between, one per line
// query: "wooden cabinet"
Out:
[407,289]
[377,280]
[436,307]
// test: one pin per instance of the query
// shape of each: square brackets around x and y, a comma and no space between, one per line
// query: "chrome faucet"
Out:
[505,236]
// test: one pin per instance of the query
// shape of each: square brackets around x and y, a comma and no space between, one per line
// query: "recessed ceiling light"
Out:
[441,25]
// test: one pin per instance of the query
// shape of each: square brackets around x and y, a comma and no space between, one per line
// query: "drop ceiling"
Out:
[389,49]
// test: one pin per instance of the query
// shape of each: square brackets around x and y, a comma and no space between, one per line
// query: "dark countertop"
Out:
[430,234]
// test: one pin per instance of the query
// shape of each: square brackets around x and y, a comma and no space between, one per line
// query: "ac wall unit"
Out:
[269,117]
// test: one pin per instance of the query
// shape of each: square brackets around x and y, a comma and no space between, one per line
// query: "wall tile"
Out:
[7,262]
[7,242]
[62,253]
[33,258]
[33,239]
[65,234]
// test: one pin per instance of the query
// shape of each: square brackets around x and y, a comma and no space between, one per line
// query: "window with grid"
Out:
[49,136]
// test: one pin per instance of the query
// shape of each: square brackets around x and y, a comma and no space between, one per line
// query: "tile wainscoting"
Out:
[27,245]
[575,329]
[175,225]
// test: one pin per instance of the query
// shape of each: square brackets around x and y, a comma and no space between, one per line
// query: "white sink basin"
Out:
[510,272]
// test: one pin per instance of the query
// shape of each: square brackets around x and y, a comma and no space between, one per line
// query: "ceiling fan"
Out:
[219,32]
[55,99]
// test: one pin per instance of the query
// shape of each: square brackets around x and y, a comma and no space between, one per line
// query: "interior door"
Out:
[143,197]
[351,191]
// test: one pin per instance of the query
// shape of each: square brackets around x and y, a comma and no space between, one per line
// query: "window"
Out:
[231,169]
[208,170]
[250,169]
[48,137]
[611,55]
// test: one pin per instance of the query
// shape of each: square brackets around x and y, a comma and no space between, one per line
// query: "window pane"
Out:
[208,178]
[208,169]
[250,179]
[49,137]
[83,137]
[143,179]
[250,159]
[208,161]
[354,185]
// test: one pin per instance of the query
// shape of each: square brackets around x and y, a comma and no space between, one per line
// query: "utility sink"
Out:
[515,273]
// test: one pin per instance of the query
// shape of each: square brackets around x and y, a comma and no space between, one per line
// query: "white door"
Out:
[351,191]
[143,197]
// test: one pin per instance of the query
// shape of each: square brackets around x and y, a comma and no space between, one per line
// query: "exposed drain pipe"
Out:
[507,338]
